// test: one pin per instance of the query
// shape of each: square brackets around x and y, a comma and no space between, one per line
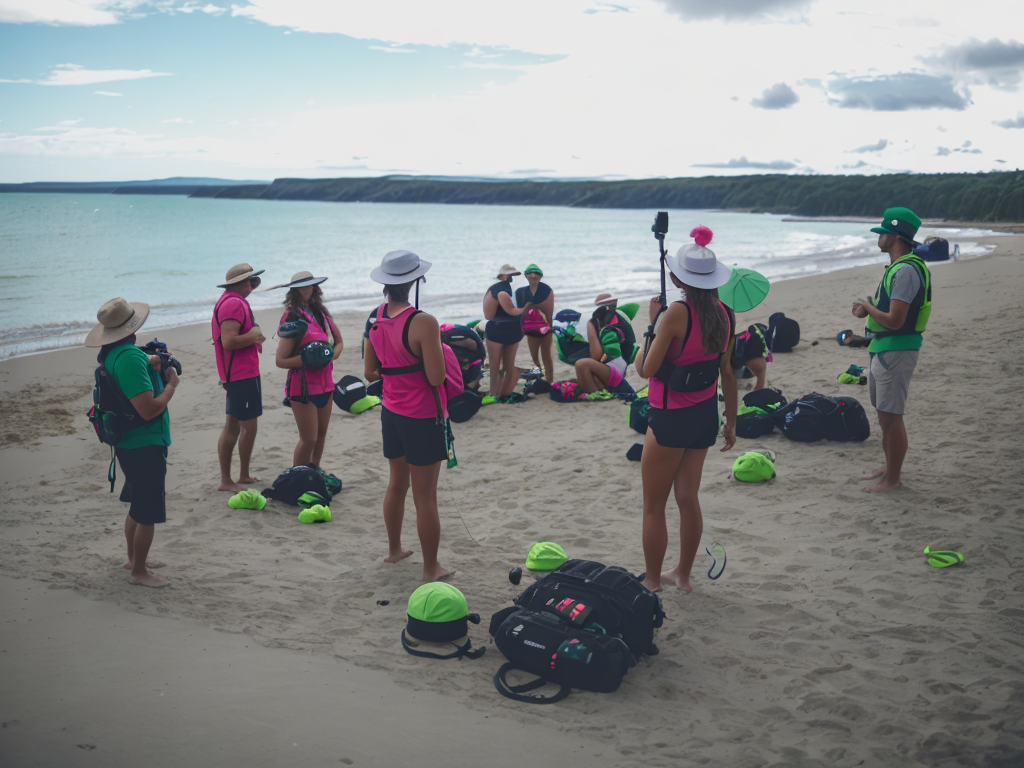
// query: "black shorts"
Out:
[318,400]
[504,332]
[420,441]
[145,470]
[694,427]
[244,399]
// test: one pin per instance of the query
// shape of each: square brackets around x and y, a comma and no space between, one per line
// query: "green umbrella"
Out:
[745,290]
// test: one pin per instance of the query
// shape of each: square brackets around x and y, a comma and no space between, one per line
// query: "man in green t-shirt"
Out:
[141,451]
[895,320]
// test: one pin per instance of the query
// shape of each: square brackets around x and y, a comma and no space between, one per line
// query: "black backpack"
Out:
[605,609]
[464,405]
[783,333]
[765,399]
[639,414]
[348,391]
[756,423]
[815,417]
[296,481]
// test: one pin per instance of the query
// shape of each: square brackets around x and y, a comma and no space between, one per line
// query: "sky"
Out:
[117,90]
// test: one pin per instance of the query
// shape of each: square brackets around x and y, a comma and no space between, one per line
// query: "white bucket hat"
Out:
[696,266]
[399,267]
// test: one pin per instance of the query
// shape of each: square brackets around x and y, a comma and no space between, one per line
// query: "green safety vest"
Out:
[908,336]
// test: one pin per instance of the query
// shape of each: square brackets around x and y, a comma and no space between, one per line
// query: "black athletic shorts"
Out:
[244,399]
[504,331]
[145,470]
[694,427]
[420,441]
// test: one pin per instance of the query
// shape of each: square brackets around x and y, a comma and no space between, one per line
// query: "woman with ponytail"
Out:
[688,352]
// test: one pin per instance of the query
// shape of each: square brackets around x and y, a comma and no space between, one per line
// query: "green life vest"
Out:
[908,336]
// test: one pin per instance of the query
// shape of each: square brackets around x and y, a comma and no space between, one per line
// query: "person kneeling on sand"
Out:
[237,344]
[606,366]
[895,317]
[141,451]
[415,437]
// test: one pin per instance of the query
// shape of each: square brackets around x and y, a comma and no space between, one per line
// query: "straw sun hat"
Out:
[239,273]
[118,320]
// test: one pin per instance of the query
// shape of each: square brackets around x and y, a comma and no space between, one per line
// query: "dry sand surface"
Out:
[828,641]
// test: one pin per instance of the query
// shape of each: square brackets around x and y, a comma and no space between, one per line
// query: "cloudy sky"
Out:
[260,89]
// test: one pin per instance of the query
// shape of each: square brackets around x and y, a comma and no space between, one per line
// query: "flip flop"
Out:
[943,558]
[717,552]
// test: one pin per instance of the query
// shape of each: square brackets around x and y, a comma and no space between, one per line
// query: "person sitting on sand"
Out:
[503,332]
[537,321]
[895,319]
[310,391]
[237,343]
[606,366]
[415,440]
[683,422]
[142,450]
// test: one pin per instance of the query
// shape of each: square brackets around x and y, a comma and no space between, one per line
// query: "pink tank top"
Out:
[680,353]
[406,394]
[317,382]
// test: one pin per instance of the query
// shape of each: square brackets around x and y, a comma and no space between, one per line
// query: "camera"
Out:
[158,348]
[660,226]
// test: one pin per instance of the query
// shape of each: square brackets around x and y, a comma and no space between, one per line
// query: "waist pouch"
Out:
[688,378]
[557,652]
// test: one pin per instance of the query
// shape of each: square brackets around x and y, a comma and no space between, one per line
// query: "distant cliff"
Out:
[966,197]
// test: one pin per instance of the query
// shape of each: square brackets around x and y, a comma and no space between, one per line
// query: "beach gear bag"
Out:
[848,422]
[814,417]
[293,329]
[348,391]
[754,467]
[438,613]
[316,354]
[557,652]
[333,482]
[765,399]
[605,599]
[469,349]
[545,556]
[783,333]
[534,323]
[294,482]
[565,392]
[112,413]
[638,415]
[464,405]
[753,422]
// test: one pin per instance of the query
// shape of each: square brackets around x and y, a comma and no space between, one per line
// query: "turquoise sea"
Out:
[64,255]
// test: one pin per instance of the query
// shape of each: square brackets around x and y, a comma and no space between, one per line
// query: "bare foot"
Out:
[882,487]
[231,487]
[394,558]
[874,475]
[148,580]
[149,564]
[248,480]
[653,586]
[440,574]
[675,577]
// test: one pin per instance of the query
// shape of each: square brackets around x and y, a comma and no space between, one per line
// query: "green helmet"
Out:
[545,556]
[754,467]
[438,613]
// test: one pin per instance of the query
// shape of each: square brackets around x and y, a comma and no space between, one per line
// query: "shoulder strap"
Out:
[521,692]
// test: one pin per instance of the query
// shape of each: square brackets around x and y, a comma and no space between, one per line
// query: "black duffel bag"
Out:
[815,417]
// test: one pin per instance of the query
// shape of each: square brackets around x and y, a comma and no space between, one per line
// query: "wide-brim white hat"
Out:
[302,279]
[399,267]
[698,267]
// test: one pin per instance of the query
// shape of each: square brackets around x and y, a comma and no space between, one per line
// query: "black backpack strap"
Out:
[522,692]
[461,651]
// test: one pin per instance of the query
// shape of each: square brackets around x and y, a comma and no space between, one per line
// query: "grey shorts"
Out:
[889,379]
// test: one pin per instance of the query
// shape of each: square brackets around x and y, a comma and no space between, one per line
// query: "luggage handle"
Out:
[521,692]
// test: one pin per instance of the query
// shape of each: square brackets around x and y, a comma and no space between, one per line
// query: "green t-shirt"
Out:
[129,365]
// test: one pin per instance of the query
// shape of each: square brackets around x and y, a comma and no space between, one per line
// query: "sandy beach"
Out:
[828,641]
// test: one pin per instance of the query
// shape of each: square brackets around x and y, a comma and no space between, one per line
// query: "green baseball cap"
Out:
[754,467]
[545,556]
[533,268]
[901,222]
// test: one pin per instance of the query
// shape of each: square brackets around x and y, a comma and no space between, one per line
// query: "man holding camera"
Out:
[237,342]
[142,450]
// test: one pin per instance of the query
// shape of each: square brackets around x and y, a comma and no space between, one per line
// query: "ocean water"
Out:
[63,255]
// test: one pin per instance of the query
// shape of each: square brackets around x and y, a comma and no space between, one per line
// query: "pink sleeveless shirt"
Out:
[406,394]
[317,382]
[679,354]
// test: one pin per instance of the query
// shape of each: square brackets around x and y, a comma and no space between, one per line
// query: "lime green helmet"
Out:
[754,467]
[545,556]
[438,613]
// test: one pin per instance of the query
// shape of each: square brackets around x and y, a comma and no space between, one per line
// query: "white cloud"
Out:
[62,12]
[107,93]
[209,9]
[76,74]
[179,120]
[392,49]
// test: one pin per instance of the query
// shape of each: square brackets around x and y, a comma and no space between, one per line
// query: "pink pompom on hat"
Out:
[696,265]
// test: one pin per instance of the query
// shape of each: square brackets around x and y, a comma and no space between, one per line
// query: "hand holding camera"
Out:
[167,365]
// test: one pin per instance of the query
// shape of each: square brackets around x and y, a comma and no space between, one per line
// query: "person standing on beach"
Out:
[237,343]
[896,318]
[503,332]
[694,337]
[537,321]
[141,450]
[405,350]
